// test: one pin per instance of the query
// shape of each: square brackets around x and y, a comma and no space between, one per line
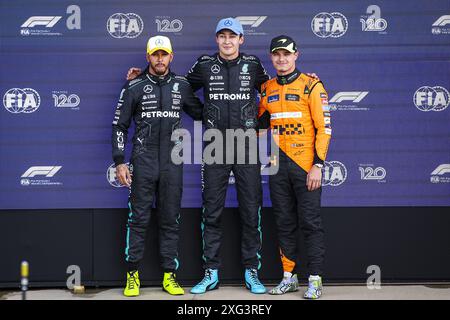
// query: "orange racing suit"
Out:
[297,106]
[299,117]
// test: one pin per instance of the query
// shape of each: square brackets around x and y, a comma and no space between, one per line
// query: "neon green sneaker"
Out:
[133,284]
[171,285]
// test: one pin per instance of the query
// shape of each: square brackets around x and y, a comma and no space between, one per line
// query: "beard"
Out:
[159,70]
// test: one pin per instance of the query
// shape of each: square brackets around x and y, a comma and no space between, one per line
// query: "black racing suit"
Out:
[297,208]
[155,104]
[229,89]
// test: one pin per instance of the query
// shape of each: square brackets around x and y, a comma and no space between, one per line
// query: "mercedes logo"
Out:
[215,69]
[228,23]
[148,88]
[159,42]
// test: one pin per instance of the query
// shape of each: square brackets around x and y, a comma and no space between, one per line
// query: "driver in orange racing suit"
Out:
[297,106]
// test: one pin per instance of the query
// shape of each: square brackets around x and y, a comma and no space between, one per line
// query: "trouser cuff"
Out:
[132,266]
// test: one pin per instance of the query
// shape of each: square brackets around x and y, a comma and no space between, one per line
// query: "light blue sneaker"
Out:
[252,282]
[209,282]
[314,290]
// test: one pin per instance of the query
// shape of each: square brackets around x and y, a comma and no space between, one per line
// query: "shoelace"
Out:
[281,286]
[284,283]
[131,281]
[254,276]
[206,278]
[173,281]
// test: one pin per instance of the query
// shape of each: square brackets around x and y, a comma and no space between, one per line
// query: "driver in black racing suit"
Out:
[154,100]
[230,81]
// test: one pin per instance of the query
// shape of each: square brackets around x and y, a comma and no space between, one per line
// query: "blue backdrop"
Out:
[386,68]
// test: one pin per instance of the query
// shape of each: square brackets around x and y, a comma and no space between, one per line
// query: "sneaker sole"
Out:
[248,288]
[131,296]
[311,298]
[279,294]
[215,288]
[173,294]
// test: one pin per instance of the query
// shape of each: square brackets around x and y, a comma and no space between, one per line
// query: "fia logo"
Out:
[125,25]
[428,98]
[325,25]
[334,173]
[112,177]
[18,100]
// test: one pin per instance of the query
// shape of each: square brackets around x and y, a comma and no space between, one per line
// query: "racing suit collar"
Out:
[159,79]
[289,78]
[228,63]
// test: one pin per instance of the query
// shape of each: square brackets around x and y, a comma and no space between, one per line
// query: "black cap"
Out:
[283,42]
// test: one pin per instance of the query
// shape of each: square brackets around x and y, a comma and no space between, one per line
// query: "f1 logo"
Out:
[252,21]
[46,21]
[47,171]
[354,96]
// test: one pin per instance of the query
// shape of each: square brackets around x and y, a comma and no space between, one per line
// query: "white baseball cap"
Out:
[159,43]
